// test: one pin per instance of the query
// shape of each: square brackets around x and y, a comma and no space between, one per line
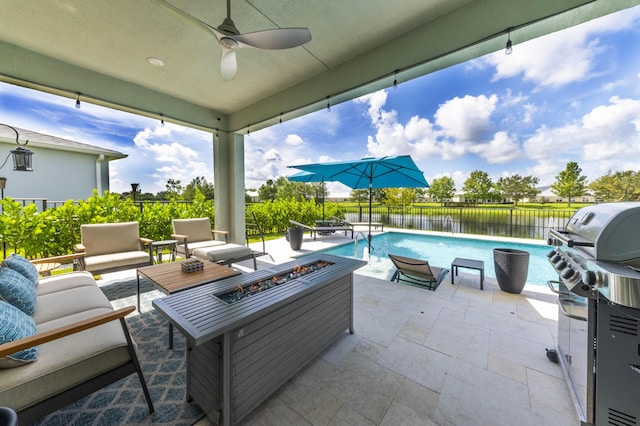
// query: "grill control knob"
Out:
[589,278]
[561,265]
[568,273]
[555,259]
[551,254]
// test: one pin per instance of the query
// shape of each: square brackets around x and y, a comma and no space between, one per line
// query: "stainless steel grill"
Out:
[597,257]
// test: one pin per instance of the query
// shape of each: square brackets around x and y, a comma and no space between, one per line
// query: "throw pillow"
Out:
[22,265]
[17,290]
[15,325]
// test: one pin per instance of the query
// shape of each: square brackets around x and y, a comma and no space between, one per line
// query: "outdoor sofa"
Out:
[82,343]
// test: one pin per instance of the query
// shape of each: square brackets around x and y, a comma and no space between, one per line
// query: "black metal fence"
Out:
[505,222]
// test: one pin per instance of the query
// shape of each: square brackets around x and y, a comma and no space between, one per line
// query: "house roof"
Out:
[98,51]
[52,142]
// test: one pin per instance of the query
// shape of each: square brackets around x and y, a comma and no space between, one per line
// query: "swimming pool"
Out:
[440,251]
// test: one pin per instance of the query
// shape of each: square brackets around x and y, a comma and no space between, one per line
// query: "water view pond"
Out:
[440,251]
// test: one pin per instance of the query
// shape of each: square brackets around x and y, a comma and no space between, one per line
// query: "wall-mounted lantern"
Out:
[21,156]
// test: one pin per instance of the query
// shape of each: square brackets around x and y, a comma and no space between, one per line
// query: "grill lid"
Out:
[612,229]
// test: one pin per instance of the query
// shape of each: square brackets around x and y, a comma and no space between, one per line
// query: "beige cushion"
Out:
[116,260]
[105,238]
[198,229]
[62,282]
[223,252]
[199,245]
[71,360]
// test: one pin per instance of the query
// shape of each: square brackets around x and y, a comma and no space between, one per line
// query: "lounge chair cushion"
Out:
[224,252]
[199,245]
[17,290]
[22,265]
[15,325]
[116,260]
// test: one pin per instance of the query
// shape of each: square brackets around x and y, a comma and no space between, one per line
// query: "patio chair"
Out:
[196,233]
[254,231]
[196,238]
[417,271]
[110,247]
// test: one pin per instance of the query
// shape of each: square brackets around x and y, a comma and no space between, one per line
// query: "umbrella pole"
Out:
[322,189]
[370,197]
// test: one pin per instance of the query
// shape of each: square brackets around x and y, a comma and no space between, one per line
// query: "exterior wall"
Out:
[57,175]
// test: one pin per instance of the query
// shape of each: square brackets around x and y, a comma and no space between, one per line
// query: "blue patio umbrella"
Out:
[385,172]
[309,177]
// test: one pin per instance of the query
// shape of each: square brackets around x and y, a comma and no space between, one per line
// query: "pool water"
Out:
[440,251]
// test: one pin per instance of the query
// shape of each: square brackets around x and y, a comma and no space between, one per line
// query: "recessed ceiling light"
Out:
[157,62]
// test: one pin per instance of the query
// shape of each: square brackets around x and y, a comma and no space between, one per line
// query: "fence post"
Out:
[511,222]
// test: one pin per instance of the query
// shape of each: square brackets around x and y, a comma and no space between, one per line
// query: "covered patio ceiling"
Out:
[98,50]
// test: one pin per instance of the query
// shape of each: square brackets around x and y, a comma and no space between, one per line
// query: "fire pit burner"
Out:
[245,291]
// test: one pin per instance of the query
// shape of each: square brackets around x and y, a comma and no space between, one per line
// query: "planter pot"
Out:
[512,268]
[295,238]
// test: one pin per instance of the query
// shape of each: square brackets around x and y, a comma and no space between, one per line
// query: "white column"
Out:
[228,172]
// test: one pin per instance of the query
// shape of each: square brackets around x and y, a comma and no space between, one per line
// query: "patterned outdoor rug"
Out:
[123,402]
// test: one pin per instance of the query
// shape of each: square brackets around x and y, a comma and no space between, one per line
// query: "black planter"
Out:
[295,238]
[512,268]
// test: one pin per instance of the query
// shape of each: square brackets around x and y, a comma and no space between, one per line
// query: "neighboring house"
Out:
[547,195]
[62,169]
[253,196]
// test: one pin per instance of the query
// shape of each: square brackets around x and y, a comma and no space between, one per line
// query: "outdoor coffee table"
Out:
[459,262]
[169,279]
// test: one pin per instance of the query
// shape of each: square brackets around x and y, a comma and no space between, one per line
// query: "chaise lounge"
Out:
[417,271]
[375,225]
[314,231]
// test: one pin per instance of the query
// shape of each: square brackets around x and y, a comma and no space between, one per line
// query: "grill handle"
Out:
[552,285]
[558,237]
[567,314]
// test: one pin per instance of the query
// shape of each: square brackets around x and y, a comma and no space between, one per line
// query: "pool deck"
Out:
[456,356]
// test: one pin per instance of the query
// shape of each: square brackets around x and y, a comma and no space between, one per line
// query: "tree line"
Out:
[478,188]
[570,183]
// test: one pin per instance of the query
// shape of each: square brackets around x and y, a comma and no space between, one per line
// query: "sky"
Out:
[573,95]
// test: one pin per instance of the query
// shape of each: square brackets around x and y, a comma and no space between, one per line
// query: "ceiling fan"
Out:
[230,38]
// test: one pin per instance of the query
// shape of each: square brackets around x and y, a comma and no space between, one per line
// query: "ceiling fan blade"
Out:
[279,38]
[228,64]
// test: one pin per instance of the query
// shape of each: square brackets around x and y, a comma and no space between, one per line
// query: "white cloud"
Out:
[503,148]
[466,119]
[172,152]
[607,137]
[294,140]
[559,58]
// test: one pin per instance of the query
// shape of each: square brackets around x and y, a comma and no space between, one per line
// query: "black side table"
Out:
[158,246]
[459,262]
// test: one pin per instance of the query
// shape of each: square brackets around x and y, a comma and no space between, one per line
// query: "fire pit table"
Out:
[249,334]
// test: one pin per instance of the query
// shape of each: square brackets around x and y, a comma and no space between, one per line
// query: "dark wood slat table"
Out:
[169,279]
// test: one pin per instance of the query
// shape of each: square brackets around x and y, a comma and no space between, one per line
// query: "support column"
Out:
[228,175]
